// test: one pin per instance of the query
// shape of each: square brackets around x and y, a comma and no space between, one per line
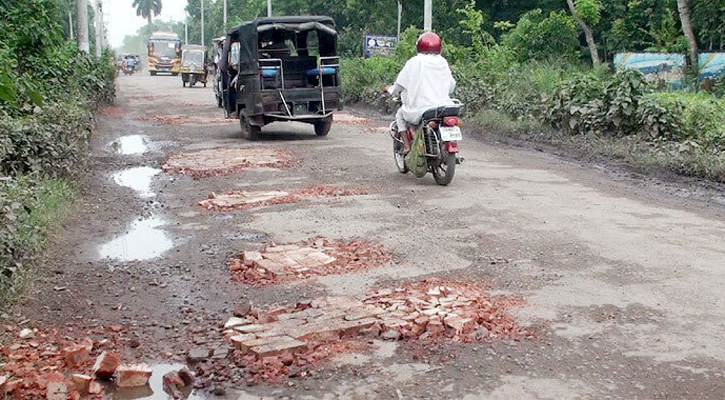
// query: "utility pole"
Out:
[428,20]
[99,28]
[225,16]
[186,33]
[202,22]
[269,8]
[70,24]
[400,17]
[82,28]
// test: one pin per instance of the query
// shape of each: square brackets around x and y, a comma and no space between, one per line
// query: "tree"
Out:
[145,8]
[587,13]
[683,6]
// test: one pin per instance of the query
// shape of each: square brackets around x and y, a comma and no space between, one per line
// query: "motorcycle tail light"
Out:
[433,124]
[450,121]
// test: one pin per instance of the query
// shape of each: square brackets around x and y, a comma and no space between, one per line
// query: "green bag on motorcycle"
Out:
[415,160]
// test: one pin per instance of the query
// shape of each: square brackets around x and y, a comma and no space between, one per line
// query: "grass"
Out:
[44,203]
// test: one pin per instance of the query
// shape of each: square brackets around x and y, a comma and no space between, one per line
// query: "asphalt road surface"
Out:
[622,280]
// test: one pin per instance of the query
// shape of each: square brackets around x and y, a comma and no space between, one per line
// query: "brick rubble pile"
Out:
[242,200]
[433,310]
[277,264]
[224,161]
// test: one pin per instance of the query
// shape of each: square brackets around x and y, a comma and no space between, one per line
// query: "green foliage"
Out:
[588,10]
[540,37]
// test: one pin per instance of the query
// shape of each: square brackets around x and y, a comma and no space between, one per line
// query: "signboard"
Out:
[376,45]
[668,67]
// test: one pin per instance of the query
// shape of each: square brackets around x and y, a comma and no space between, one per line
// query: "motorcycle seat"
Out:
[451,110]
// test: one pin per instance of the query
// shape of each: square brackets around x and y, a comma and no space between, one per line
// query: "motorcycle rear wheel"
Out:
[443,173]
[399,157]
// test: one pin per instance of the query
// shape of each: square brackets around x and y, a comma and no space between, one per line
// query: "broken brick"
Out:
[172,383]
[133,375]
[3,384]
[106,365]
[198,354]
[187,376]
[77,355]
[81,382]
[95,388]
[57,387]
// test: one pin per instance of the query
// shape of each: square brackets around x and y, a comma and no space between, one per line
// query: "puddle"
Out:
[131,145]
[155,389]
[144,241]
[138,179]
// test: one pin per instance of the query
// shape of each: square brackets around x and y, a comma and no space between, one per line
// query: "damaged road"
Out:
[532,276]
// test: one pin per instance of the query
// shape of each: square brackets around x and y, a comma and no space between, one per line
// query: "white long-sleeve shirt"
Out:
[425,82]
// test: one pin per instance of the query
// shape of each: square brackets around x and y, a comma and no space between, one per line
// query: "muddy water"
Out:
[155,389]
[138,179]
[131,145]
[144,241]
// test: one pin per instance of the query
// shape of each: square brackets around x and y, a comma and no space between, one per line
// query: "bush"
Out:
[699,118]
[538,37]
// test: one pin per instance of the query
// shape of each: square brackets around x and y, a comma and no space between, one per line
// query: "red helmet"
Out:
[429,43]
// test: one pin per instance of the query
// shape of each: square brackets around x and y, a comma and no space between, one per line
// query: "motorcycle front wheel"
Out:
[444,171]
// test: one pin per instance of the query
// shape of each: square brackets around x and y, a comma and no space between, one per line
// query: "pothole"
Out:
[242,200]
[131,145]
[315,257]
[350,119]
[63,363]
[186,120]
[223,161]
[138,179]
[144,241]
[284,341]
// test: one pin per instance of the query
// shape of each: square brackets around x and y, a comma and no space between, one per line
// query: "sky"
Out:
[121,19]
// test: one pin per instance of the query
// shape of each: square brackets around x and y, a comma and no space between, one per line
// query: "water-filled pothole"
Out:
[144,241]
[155,388]
[138,179]
[131,145]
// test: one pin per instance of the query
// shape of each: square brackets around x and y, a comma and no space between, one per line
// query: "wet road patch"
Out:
[138,179]
[243,200]
[316,257]
[225,161]
[144,241]
[131,145]
[186,120]
[283,340]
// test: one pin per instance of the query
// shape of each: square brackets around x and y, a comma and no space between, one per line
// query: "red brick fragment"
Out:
[106,365]
[133,375]
[81,382]
[95,388]
[76,355]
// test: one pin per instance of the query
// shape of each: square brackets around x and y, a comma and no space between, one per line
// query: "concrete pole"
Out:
[82,28]
[186,33]
[428,20]
[70,24]
[99,28]
[225,16]
[202,22]
[269,8]
[400,17]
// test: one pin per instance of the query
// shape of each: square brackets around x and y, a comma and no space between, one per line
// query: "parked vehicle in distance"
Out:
[194,65]
[281,69]
[164,51]
[217,50]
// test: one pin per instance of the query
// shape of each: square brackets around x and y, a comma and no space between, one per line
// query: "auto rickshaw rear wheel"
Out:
[249,131]
[322,128]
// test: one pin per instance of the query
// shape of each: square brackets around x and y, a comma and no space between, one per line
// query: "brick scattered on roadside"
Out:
[350,119]
[185,120]
[106,365]
[112,111]
[316,257]
[277,341]
[224,161]
[133,375]
[242,200]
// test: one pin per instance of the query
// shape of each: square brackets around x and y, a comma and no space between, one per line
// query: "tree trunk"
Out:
[588,34]
[82,25]
[684,8]
[149,18]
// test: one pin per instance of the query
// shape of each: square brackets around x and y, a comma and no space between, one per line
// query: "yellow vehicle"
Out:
[194,65]
[164,53]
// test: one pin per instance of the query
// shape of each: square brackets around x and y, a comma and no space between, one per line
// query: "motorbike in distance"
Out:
[440,132]
[129,65]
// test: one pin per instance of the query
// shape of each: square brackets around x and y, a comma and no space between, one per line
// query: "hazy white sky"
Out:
[121,19]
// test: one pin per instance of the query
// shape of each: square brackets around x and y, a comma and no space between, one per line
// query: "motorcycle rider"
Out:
[425,82]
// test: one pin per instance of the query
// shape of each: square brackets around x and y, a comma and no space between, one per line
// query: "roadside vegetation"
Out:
[48,93]
[534,79]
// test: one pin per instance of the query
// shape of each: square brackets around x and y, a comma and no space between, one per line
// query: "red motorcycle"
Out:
[439,131]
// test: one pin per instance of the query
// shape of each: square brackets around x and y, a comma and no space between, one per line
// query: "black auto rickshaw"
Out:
[282,69]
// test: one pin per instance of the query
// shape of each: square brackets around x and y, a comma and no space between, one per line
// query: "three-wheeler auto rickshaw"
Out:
[281,69]
[193,65]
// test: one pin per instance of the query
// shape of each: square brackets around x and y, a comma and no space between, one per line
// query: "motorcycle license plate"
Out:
[451,133]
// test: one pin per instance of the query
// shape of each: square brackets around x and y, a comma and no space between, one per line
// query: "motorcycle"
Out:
[440,133]
[129,66]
